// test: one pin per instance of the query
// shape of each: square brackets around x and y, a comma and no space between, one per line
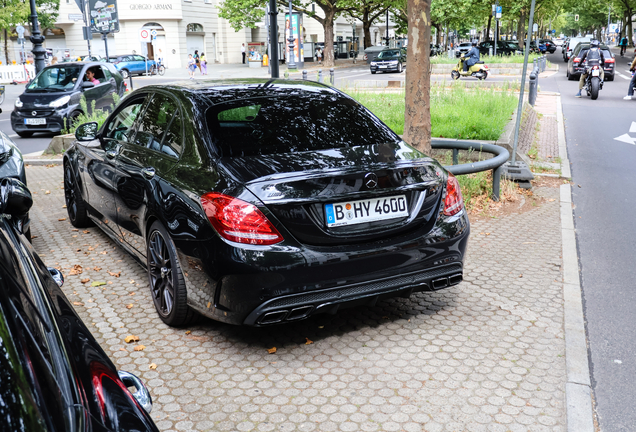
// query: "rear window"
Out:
[285,124]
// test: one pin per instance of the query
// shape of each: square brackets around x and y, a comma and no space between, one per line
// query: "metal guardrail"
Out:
[495,163]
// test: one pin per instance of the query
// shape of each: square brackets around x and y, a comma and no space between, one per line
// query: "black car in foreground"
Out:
[11,162]
[575,67]
[51,100]
[265,201]
[54,375]
[389,60]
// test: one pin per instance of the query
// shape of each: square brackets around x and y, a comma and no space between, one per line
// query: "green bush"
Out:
[444,59]
[96,115]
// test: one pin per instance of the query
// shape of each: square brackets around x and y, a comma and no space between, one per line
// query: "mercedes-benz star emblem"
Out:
[34,113]
[371,180]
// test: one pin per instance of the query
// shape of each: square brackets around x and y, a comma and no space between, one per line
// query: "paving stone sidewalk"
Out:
[486,355]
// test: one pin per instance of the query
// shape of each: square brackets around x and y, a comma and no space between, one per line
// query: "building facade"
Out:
[181,26]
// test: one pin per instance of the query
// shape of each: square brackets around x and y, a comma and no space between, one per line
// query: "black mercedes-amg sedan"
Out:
[258,202]
[54,376]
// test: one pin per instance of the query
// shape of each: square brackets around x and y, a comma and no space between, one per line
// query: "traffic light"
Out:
[576,17]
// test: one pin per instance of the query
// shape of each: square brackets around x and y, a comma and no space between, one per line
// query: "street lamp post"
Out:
[292,63]
[387,27]
[36,39]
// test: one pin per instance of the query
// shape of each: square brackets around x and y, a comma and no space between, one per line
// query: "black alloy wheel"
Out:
[75,205]
[167,284]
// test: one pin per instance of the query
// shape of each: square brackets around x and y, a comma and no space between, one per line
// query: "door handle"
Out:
[148,172]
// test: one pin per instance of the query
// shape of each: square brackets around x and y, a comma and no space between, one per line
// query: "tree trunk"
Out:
[417,113]
[488,28]
[328,57]
[629,33]
[6,47]
[438,34]
[367,34]
[521,26]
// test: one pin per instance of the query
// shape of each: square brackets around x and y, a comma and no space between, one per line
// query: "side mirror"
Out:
[86,131]
[15,198]
[85,85]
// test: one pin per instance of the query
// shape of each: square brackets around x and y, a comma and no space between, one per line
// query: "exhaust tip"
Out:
[440,283]
[455,279]
[299,313]
[273,317]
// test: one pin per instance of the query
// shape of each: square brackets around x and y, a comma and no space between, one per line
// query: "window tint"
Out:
[121,126]
[107,74]
[157,119]
[173,141]
[284,124]
[138,58]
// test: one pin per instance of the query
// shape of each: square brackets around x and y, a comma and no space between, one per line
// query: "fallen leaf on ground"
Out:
[77,269]
[140,348]
[90,300]
[34,237]
[188,332]
[129,306]
[63,219]
[97,268]
[271,350]
[152,366]
[123,349]
[78,303]
[74,229]
[309,342]
[86,231]
[131,338]
[98,283]
[114,274]
[64,206]
[47,192]
[109,282]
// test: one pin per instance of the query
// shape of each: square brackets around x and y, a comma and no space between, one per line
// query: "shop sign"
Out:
[149,6]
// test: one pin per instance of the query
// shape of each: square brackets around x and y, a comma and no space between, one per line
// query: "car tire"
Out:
[124,73]
[399,68]
[571,77]
[72,117]
[75,204]
[372,72]
[25,134]
[167,284]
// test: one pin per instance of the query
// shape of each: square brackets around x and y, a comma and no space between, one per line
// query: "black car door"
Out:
[142,164]
[109,84]
[99,159]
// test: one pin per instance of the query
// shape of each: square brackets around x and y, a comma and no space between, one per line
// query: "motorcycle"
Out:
[593,82]
[479,70]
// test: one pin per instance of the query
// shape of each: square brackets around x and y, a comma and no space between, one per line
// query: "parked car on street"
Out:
[503,48]
[132,64]
[571,44]
[372,52]
[549,45]
[51,100]
[389,60]
[436,50]
[462,48]
[261,201]
[11,162]
[55,376]
[575,69]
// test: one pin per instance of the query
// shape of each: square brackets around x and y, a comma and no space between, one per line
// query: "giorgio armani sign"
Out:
[148,6]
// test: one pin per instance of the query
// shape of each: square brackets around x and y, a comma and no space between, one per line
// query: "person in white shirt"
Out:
[243,52]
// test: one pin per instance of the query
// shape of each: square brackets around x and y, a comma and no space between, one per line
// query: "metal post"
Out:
[496,27]
[291,64]
[130,80]
[273,38]
[320,75]
[105,37]
[36,39]
[523,83]
[85,12]
[455,156]
[387,27]
[532,88]
[332,77]
[304,74]
[496,181]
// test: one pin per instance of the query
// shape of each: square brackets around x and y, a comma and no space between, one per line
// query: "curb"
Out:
[563,150]
[42,162]
[578,390]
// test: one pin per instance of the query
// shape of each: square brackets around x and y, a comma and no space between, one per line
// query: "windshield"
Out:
[388,54]
[58,78]
[284,124]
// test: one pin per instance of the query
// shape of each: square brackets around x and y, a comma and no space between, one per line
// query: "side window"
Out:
[120,127]
[107,74]
[162,115]
[139,58]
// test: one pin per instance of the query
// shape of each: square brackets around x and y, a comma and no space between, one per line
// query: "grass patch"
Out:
[456,112]
[516,59]
[96,115]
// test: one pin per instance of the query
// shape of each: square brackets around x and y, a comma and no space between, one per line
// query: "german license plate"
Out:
[368,210]
[382,67]
[595,72]
[35,121]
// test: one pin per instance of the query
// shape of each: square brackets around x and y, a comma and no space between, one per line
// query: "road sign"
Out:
[20,31]
[553,31]
[144,35]
[104,16]
[75,17]
[535,27]
[498,12]
[153,33]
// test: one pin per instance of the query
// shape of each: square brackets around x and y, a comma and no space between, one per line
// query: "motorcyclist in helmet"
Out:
[594,56]
[471,57]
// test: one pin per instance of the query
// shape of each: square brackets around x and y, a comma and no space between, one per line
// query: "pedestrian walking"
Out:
[204,65]
[319,55]
[192,66]
[632,83]
[197,59]
[243,52]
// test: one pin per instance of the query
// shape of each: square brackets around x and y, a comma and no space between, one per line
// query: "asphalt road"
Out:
[603,195]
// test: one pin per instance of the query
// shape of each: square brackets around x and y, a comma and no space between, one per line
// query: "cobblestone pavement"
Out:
[486,355]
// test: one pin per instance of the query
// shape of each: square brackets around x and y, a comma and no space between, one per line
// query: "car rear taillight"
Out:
[239,221]
[454,202]
[576,59]
[610,60]
[126,86]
